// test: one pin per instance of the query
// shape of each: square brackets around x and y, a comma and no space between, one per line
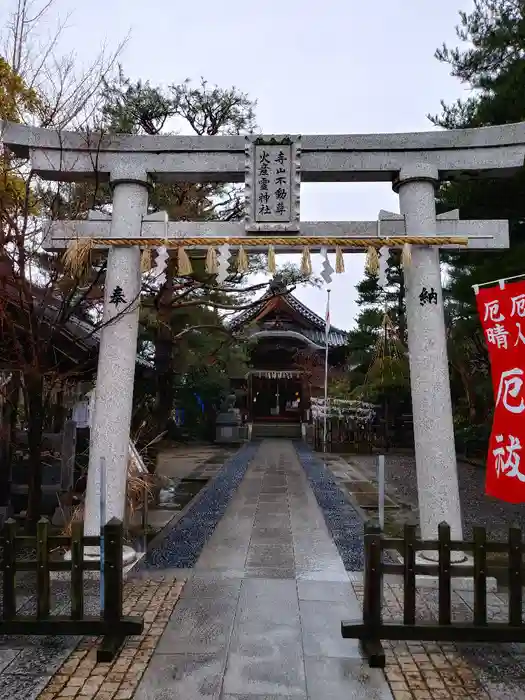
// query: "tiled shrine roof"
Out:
[316,331]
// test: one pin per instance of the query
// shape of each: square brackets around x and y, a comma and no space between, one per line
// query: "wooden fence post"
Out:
[113,583]
[9,565]
[113,579]
[515,569]
[43,593]
[77,571]
[444,579]
[480,575]
[409,576]
[373,594]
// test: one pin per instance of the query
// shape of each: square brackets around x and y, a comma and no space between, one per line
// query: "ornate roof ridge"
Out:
[247,315]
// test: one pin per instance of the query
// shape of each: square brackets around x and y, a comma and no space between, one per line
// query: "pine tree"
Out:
[491,62]
[377,361]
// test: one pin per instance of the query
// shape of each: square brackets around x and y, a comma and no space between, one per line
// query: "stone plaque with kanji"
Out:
[272,184]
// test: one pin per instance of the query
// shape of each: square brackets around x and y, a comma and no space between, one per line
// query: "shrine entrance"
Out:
[275,397]
[272,168]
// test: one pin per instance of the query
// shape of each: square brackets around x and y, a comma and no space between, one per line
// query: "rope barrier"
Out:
[291,241]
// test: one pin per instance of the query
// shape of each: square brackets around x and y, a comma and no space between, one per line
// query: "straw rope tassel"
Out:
[211,266]
[306,262]
[372,260]
[146,260]
[339,261]
[77,257]
[184,263]
[272,265]
[242,260]
[406,255]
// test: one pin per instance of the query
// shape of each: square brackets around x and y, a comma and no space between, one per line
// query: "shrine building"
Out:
[287,344]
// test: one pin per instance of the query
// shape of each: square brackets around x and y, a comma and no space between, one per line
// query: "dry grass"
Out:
[140,487]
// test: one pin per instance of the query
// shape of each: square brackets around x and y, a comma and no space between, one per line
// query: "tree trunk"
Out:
[164,380]
[34,395]
[8,432]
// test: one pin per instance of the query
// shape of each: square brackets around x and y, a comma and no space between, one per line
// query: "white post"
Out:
[381,490]
[327,330]
[436,466]
[117,356]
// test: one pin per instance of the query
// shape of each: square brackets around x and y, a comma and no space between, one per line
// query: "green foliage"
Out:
[181,326]
[378,367]
[17,100]
[491,61]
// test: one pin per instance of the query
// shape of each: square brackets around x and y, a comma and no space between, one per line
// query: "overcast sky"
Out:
[333,67]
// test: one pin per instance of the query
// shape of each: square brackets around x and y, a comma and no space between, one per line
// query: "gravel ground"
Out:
[28,662]
[477,509]
[343,521]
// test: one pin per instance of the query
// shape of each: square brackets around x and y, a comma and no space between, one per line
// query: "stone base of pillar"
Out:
[458,582]
[432,557]
[129,555]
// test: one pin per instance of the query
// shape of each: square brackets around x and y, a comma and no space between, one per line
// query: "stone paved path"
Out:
[260,614]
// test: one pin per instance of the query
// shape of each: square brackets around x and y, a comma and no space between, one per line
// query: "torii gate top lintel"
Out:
[483,152]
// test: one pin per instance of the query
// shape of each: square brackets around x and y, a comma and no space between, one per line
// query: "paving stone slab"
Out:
[329,591]
[6,656]
[199,626]
[338,679]
[273,556]
[40,660]
[321,628]
[21,687]
[211,586]
[228,696]
[267,670]
[183,677]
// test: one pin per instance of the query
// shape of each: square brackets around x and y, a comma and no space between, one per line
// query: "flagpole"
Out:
[327,331]
[476,287]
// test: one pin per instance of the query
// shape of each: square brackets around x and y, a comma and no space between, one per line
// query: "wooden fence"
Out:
[342,435]
[110,623]
[372,629]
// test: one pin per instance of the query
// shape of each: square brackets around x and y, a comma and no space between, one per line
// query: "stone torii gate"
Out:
[272,168]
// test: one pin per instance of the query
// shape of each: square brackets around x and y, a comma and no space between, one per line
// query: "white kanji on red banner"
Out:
[502,314]
[518,306]
[521,335]
[510,387]
[497,335]
[492,312]
[507,457]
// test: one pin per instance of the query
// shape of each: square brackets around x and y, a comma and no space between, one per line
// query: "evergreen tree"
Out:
[377,361]
[184,321]
[491,62]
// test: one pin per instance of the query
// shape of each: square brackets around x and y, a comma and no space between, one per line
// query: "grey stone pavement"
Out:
[260,614]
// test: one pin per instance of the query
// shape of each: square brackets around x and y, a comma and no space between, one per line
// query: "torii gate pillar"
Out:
[110,423]
[436,464]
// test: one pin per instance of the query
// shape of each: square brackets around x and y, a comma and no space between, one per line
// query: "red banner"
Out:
[502,313]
